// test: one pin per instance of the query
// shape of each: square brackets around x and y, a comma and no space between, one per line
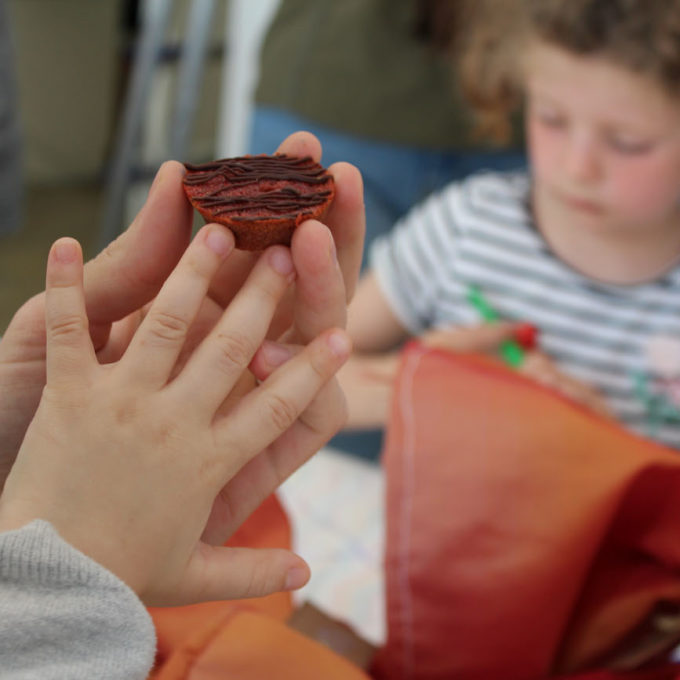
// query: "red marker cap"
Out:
[526,336]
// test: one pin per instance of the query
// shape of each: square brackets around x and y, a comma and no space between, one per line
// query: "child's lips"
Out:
[583,205]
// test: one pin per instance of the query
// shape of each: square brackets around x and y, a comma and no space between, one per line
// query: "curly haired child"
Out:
[585,246]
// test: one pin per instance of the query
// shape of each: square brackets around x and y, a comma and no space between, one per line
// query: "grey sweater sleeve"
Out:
[64,616]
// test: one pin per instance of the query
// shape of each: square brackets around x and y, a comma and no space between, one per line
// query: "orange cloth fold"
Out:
[526,537]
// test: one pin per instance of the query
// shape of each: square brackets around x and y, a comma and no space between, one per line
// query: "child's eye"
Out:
[550,118]
[629,145]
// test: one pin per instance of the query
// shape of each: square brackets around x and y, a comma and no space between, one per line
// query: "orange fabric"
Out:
[267,527]
[247,645]
[247,639]
[525,537]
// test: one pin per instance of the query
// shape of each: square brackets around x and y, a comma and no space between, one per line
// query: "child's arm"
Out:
[371,323]
[54,597]
[368,376]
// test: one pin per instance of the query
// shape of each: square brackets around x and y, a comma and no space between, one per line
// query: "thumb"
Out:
[69,350]
[483,338]
[220,573]
[131,269]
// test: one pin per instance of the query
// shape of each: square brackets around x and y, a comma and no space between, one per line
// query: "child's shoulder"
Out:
[490,187]
[487,198]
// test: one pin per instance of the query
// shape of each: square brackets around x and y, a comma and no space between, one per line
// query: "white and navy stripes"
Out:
[480,232]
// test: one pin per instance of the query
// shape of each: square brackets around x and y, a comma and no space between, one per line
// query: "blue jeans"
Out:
[396,178]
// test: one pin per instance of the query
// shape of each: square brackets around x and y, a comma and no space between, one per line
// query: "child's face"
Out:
[604,142]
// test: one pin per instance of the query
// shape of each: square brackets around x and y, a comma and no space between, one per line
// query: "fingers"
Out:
[301,144]
[267,412]
[324,416]
[324,283]
[69,349]
[328,260]
[347,221]
[218,573]
[320,298]
[218,362]
[154,350]
[482,338]
[131,270]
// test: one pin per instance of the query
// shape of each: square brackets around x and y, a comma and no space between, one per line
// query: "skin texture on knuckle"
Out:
[67,326]
[167,327]
[268,576]
[235,351]
[256,582]
[125,413]
[281,412]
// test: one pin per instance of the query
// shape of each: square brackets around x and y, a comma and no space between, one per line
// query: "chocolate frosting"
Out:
[282,203]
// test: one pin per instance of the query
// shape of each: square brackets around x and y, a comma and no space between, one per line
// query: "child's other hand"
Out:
[488,337]
[367,381]
[544,371]
[125,459]
[483,339]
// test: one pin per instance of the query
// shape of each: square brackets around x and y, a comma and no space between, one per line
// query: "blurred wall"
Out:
[68,69]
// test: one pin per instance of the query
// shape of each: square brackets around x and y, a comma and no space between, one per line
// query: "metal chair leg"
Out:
[156,15]
[190,76]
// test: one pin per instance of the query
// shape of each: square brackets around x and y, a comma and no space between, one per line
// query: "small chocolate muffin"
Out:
[262,199]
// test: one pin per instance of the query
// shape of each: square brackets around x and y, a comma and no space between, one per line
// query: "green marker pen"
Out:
[511,351]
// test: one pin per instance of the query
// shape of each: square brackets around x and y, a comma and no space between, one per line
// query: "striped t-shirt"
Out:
[622,340]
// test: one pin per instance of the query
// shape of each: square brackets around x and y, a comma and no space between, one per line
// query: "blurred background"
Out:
[93,97]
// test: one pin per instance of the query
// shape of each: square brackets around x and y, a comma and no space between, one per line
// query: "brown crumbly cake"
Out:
[262,199]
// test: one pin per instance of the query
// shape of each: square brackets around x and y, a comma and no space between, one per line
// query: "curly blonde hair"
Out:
[640,35]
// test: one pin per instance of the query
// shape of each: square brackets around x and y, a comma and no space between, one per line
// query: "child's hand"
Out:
[126,461]
[543,370]
[488,337]
[482,339]
[131,270]
[367,381]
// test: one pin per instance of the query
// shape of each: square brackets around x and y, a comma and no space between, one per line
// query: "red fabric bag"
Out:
[526,537]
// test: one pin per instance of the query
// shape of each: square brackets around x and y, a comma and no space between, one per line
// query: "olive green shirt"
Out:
[357,66]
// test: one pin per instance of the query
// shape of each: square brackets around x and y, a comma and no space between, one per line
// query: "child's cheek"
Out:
[646,189]
[544,151]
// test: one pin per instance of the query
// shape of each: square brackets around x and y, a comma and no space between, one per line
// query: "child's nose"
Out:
[582,162]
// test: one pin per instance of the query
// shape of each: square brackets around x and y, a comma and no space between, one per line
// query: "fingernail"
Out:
[218,241]
[65,251]
[339,343]
[275,354]
[281,261]
[296,578]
